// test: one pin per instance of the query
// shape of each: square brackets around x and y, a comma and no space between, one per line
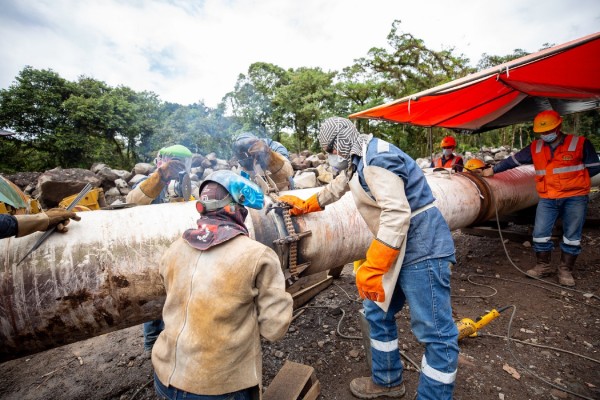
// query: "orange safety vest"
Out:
[561,175]
[449,162]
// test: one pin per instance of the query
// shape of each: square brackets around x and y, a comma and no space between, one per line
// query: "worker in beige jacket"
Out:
[224,291]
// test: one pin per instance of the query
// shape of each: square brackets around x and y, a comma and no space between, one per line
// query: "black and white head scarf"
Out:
[341,134]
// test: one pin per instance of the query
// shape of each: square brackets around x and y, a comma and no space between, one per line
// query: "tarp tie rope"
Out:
[507,73]
[408,106]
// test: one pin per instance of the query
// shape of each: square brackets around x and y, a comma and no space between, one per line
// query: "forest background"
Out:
[57,122]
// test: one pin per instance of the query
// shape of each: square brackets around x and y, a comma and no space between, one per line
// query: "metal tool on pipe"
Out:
[103,276]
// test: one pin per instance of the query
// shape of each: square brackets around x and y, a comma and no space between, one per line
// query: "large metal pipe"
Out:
[102,275]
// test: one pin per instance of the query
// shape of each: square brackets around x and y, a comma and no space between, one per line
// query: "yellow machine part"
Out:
[89,202]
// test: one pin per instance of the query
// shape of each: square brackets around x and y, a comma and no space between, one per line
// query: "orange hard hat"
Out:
[448,141]
[474,163]
[546,121]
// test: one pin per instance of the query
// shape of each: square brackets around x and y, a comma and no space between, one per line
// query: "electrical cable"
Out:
[476,296]
[519,269]
[526,369]
[508,336]
[542,346]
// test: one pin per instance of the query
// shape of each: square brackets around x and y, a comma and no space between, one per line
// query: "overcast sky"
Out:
[190,51]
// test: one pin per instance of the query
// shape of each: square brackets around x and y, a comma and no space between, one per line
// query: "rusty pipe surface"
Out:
[102,275]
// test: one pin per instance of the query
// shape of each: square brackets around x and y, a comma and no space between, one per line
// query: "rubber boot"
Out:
[565,269]
[365,388]
[542,266]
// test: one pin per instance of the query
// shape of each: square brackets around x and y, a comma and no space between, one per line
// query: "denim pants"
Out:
[572,211]
[426,287]
[151,331]
[171,393]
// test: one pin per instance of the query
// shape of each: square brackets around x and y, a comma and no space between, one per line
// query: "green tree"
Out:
[33,107]
[252,99]
[308,98]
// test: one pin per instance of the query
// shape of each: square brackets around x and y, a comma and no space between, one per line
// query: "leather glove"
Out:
[28,224]
[60,218]
[300,206]
[369,276]
[260,152]
[170,170]
[487,172]
[156,182]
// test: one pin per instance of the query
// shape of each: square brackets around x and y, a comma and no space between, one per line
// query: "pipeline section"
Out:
[103,275]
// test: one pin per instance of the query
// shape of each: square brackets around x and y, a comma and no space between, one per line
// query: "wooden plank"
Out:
[291,380]
[493,233]
[313,392]
[302,297]
[306,282]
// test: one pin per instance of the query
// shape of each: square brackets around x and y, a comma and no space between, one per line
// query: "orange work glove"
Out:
[369,275]
[300,206]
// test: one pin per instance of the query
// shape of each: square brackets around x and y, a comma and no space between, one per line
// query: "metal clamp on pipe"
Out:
[486,210]
[291,238]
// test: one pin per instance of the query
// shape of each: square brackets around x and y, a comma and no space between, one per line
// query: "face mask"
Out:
[447,152]
[549,138]
[336,161]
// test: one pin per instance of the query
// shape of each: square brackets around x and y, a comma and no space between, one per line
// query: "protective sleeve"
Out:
[523,157]
[591,159]
[8,226]
[137,196]
[274,304]
[334,190]
[387,189]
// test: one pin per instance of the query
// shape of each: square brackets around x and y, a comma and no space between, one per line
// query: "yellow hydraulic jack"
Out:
[468,328]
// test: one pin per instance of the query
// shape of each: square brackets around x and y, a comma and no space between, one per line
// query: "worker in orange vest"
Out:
[448,158]
[564,164]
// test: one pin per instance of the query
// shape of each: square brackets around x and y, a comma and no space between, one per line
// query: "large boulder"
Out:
[56,184]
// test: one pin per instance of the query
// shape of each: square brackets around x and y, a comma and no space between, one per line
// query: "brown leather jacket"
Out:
[219,302]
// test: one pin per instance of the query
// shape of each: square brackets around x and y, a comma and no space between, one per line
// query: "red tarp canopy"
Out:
[565,78]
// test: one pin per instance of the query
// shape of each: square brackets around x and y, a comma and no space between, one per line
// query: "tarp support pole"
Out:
[430,144]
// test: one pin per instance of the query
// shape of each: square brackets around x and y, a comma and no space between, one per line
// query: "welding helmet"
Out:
[546,121]
[241,146]
[241,191]
[175,152]
[448,141]
[474,164]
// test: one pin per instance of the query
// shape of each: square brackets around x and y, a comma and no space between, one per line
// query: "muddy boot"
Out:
[365,388]
[542,266]
[565,269]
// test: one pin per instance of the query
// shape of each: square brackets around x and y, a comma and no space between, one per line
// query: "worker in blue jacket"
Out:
[408,261]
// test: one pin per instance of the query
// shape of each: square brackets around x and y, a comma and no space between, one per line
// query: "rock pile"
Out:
[310,170]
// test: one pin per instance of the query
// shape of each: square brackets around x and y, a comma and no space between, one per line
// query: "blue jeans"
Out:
[572,211]
[151,331]
[426,287]
[171,393]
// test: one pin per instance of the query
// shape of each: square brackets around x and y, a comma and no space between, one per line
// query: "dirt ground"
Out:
[563,324]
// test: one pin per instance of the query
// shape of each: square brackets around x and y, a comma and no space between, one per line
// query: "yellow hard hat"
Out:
[474,163]
[546,121]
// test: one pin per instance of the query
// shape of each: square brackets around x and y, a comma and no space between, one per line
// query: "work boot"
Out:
[565,269]
[365,388]
[542,266]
